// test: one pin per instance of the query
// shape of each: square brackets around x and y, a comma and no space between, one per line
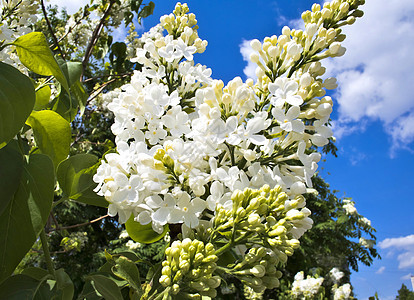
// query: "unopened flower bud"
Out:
[175,289]
[357,13]
[286,31]
[326,13]
[334,47]
[253,219]
[166,270]
[278,231]
[198,258]
[324,109]
[254,57]
[351,20]
[344,7]
[256,45]
[258,271]
[165,280]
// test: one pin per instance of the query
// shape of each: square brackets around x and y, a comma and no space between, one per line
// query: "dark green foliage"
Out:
[404,293]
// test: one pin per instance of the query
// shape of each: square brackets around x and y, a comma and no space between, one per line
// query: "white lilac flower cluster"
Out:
[186,142]
[306,288]
[311,287]
[16,19]
[340,292]
[343,292]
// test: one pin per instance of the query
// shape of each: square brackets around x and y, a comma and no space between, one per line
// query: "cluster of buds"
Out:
[188,269]
[267,221]
[184,25]
[296,47]
[257,270]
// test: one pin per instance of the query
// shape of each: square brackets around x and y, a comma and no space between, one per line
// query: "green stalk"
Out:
[45,247]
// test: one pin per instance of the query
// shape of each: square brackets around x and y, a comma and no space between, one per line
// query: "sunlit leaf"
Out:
[34,52]
[52,134]
[143,233]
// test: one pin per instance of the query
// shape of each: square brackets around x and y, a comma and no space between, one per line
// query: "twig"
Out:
[95,36]
[109,75]
[99,90]
[80,225]
[51,29]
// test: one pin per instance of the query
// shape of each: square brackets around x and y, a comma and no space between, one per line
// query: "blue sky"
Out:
[373,117]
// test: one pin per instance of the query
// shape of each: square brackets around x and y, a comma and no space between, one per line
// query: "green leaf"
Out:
[71,70]
[80,95]
[27,213]
[36,273]
[11,162]
[106,287]
[88,292]
[146,11]
[42,97]
[45,290]
[143,233]
[64,285]
[52,134]
[75,176]
[127,270]
[35,54]
[18,287]
[65,105]
[17,98]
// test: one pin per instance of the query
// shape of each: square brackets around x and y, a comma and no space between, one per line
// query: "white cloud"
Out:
[71,6]
[404,244]
[246,50]
[376,74]
[380,270]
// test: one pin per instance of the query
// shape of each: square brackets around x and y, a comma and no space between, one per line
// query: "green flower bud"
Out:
[357,13]
[294,243]
[214,282]
[191,296]
[178,276]
[340,38]
[166,271]
[271,270]
[240,213]
[184,266]
[271,221]
[211,293]
[258,271]
[195,273]
[159,154]
[165,280]
[168,161]
[278,274]
[278,231]
[251,281]
[186,243]
[351,20]
[237,197]
[210,258]
[253,219]
[262,209]
[175,289]
[197,285]
[198,258]
[289,251]
[209,248]
[270,282]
